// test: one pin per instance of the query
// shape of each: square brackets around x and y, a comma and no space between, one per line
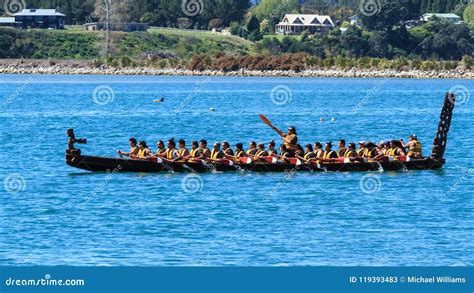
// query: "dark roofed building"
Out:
[40,18]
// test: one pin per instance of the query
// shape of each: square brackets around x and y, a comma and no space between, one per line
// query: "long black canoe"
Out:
[435,161]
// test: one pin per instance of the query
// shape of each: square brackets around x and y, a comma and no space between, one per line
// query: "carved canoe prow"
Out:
[439,144]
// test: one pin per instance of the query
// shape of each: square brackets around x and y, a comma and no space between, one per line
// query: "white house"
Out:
[449,17]
[298,23]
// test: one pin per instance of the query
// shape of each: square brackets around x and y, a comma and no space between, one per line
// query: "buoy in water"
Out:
[333,119]
[212,109]
[321,119]
[159,100]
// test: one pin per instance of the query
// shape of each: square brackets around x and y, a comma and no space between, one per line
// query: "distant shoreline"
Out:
[84,68]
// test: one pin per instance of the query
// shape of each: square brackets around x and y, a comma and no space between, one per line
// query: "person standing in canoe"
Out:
[228,152]
[144,151]
[216,152]
[204,152]
[133,149]
[171,153]
[290,139]
[341,148]
[414,147]
[261,153]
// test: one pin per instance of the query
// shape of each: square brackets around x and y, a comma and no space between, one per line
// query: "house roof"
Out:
[306,19]
[39,12]
[442,15]
[7,20]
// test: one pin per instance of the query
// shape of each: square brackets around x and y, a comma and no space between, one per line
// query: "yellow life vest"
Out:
[215,154]
[416,150]
[260,153]
[392,152]
[309,155]
[361,152]
[239,154]
[160,152]
[142,153]
[327,155]
[348,154]
[194,153]
[250,152]
[183,151]
[341,152]
[170,153]
[369,153]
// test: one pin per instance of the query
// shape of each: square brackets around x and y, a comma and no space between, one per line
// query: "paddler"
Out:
[341,148]
[194,153]
[318,150]
[183,151]
[204,152]
[308,153]
[351,152]
[216,152]
[227,150]
[239,152]
[171,153]
[396,149]
[133,149]
[252,150]
[261,153]
[160,149]
[271,149]
[362,149]
[414,147]
[299,151]
[144,151]
[371,151]
[284,154]
[329,154]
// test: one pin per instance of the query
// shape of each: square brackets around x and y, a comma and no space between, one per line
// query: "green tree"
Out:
[469,14]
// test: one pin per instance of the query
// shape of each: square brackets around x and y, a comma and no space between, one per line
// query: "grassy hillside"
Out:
[76,43]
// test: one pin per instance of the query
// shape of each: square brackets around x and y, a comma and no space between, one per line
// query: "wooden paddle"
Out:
[267,122]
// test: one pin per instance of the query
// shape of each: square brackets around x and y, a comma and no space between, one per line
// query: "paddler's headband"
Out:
[292,128]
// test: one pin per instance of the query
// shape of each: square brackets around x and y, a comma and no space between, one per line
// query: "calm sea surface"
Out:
[52,214]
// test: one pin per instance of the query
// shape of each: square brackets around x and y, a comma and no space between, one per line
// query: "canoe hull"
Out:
[104,164]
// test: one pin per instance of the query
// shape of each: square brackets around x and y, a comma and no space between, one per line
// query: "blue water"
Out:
[52,214]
